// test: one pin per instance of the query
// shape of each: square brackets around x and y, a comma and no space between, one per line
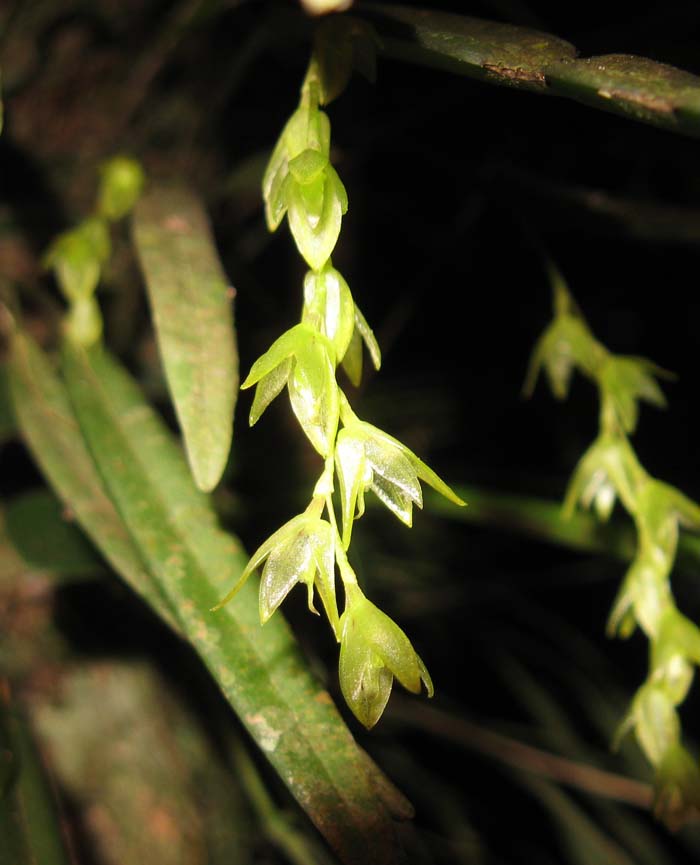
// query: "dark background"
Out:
[456,189]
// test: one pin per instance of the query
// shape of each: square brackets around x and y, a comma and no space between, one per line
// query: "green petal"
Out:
[268,388]
[289,563]
[282,348]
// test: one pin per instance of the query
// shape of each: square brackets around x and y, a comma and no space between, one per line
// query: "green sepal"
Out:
[307,129]
[268,388]
[328,306]
[352,361]
[674,652]
[373,650]
[626,380]
[315,213]
[262,552]
[368,338]
[313,392]
[656,723]
[282,348]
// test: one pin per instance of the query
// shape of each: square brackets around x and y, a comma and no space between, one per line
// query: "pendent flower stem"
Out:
[301,184]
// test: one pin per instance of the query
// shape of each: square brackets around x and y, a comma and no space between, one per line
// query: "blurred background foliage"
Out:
[456,188]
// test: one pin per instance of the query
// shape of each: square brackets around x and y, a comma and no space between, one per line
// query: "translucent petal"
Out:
[288,564]
[267,389]
[394,498]
[313,393]
[264,550]
[424,472]
[282,348]
[350,468]
[388,461]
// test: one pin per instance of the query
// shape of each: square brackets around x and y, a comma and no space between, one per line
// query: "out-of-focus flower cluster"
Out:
[610,471]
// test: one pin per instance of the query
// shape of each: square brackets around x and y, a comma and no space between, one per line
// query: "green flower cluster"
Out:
[608,471]
[311,548]
[78,256]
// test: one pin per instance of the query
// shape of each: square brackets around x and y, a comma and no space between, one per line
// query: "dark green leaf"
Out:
[192,310]
[261,672]
[500,53]
[51,432]
[635,86]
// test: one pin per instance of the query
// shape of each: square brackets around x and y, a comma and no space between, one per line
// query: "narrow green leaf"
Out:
[49,428]
[45,536]
[261,672]
[634,86]
[500,53]
[192,311]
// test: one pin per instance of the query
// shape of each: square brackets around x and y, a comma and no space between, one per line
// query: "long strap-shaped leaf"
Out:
[30,830]
[192,311]
[528,59]
[49,427]
[261,672]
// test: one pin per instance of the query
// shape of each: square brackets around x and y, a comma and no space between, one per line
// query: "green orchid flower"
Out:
[368,458]
[300,182]
[608,469]
[624,381]
[374,651]
[304,360]
[302,551]
[77,257]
